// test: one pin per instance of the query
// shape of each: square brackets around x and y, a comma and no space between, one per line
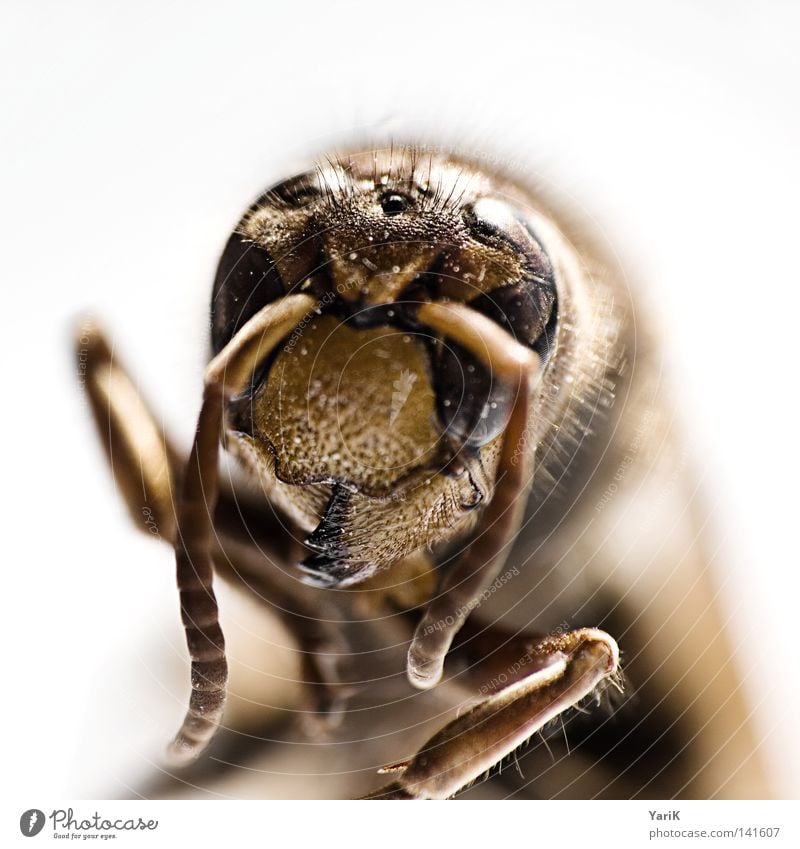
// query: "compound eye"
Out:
[296,192]
[496,222]
[394,204]
[246,281]
[489,218]
[473,408]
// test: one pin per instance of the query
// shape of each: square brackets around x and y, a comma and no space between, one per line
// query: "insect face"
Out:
[374,433]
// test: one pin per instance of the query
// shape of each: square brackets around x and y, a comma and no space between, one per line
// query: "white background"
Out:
[132,139]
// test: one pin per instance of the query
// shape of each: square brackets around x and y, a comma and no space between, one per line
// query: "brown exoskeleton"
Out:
[430,389]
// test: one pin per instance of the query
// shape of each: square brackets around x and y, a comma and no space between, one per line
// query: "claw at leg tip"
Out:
[424,674]
[180,753]
[609,644]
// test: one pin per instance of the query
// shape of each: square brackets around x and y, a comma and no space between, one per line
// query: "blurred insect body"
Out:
[437,398]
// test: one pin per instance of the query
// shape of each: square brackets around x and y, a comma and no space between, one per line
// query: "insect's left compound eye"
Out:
[473,406]
[499,224]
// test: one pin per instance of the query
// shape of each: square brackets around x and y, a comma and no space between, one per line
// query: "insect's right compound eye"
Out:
[246,281]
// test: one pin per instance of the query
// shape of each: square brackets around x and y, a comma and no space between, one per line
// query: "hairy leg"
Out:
[248,539]
[557,673]
[143,461]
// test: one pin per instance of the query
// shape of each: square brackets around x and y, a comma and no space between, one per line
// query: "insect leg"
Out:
[146,466]
[143,460]
[249,540]
[465,582]
[227,375]
[564,670]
